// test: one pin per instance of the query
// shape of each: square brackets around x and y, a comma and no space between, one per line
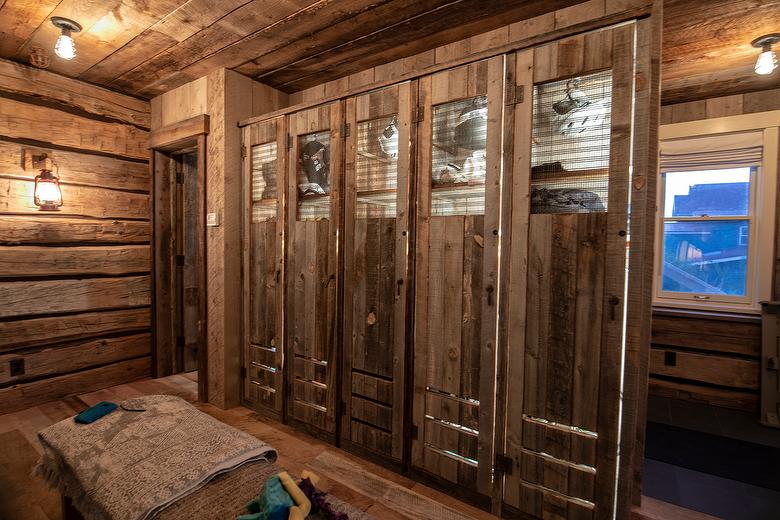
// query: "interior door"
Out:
[315,166]
[376,242]
[265,150]
[187,262]
[566,283]
[456,272]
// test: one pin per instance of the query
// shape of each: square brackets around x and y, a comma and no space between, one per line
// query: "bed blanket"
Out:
[129,465]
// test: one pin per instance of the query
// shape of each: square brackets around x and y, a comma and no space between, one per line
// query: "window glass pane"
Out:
[571,141]
[314,176]
[459,157]
[710,192]
[706,257]
[376,167]
[263,182]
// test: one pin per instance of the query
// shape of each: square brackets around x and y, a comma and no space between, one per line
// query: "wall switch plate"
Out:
[212,219]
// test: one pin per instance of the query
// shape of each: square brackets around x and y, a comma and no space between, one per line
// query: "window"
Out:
[715,228]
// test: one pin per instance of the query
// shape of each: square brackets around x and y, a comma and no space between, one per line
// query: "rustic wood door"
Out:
[188,263]
[376,242]
[570,117]
[314,186]
[265,166]
[457,235]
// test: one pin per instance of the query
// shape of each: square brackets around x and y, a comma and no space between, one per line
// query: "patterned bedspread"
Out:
[132,464]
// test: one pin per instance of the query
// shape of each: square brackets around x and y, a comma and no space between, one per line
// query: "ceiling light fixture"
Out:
[767,61]
[65,47]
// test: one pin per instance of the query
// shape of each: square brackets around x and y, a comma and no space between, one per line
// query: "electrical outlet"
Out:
[17,367]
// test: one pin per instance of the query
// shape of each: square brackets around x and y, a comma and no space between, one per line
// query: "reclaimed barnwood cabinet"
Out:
[566,286]
[457,232]
[314,186]
[376,267]
[265,174]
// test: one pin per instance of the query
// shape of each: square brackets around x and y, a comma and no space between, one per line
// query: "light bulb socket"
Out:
[766,41]
[66,25]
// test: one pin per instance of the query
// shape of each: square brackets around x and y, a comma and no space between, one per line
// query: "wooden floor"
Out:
[23,497]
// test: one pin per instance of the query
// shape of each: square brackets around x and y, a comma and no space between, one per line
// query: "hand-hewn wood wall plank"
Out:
[25,121]
[28,298]
[70,358]
[47,86]
[20,261]
[76,168]
[706,368]
[17,334]
[16,196]
[24,395]
[50,229]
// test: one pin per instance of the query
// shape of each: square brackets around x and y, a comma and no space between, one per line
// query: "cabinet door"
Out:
[376,240]
[567,273]
[456,272]
[265,167]
[316,162]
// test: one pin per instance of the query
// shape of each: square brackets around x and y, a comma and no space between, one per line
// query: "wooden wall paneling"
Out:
[644,173]
[23,395]
[313,281]
[264,274]
[375,272]
[23,298]
[456,282]
[21,120]
[48,86]
[27,261]
[723,371]
[27,229]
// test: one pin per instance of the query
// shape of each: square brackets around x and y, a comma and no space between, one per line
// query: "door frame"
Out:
[164,143]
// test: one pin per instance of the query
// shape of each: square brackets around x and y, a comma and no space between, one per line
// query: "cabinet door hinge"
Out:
[243,372]
[503,464]
[243,151]
[179,177]
[289,141]
[515,94]
[345,129]
[419,114]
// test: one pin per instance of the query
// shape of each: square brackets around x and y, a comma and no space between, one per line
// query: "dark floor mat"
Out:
[747,462]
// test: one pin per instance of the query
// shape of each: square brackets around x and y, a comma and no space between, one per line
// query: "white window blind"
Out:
[712,152]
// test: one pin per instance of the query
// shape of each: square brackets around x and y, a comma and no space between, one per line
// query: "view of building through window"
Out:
[706,228]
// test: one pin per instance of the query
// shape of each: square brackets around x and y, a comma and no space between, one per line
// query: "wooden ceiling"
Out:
[146,47]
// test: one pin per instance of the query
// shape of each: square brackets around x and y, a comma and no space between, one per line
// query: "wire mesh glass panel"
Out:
[459,134]
[313,176]
[264,182]
[376,167]
[571,139]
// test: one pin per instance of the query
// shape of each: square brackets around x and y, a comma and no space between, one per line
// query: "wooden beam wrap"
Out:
[53,229]
[48,86]
[19,261]
[70,358]
[46,125]
[33,332]
[23,395]
[178,134]
[29,298]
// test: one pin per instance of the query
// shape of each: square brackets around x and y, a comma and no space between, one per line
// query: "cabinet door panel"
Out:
[376,240]
[264,181]
[456,272]
[566,272]
[315,172]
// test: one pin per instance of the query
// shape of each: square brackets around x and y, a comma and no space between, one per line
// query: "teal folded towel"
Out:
[273,503]
[93,413]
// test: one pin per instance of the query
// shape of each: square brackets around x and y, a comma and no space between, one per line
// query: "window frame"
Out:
[761,216]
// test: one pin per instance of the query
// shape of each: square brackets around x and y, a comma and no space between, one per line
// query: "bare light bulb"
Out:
[766,62]
[65,47]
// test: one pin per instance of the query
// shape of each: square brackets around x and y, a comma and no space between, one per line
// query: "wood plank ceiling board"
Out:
[707,51]
[146,47]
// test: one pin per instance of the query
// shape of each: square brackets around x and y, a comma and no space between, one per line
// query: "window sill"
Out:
[748,316]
